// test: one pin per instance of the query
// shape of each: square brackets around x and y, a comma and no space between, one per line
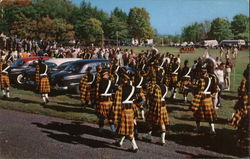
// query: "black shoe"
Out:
[133,150]
[43,103]
[4,97]
[117,144]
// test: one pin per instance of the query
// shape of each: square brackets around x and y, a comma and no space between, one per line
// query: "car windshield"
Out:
[63,65]
[75,67]
[17,63]
[50,64]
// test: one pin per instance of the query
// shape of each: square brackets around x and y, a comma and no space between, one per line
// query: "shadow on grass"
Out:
[223,142]
[79,140]
[172,108]
[69,109]
[71,133]
[24,101]
[229,97]
[191,118]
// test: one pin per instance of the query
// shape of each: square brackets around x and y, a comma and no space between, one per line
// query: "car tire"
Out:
[19,79]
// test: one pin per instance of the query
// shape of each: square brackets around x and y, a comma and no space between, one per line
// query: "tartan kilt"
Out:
[103,109]
[44,86]
[173,80]
[242,102]
[157,116]
[126,123]
[86,93]
[205,111]
[241,112]
[5,81]
[184,83]
[195,102]
[37,76]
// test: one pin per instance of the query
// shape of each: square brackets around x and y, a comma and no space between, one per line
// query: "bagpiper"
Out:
[185,80]
[140,84]
[124,112]
[202,103]
[104,106]
[44,85]
[5,81]
[86,91]
[175,70]
[157,113]
[240,119]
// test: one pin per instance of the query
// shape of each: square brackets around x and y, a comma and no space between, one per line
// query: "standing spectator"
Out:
[220,75]
[218,61]
[235,52]
[229,66]
[221,51]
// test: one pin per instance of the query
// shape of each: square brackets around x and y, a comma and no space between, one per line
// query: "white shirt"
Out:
[220,74]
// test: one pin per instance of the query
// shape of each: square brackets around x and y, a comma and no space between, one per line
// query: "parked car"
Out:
[19,65]
[54,65]
[230,43]
[70,77]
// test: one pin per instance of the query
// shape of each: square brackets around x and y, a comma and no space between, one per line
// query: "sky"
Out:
[170,16]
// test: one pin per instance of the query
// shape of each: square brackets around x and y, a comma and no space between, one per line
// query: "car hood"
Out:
[60,75]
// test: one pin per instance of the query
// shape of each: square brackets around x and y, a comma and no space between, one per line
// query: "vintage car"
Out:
[19,65]
[55,65]
[70,77]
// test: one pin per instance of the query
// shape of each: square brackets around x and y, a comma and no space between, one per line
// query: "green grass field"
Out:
[182,123]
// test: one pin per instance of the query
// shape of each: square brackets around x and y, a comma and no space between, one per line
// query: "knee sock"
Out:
[163,134]
[8,93]
[142,114]
[121,140]
[44,98]
[134,144]
[4,92]
[212,127]
[47,96]
[185,98]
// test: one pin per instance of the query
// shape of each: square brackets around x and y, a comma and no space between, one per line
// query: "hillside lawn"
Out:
[67,106]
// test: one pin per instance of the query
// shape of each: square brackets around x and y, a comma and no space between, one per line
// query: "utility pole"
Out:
[162,43]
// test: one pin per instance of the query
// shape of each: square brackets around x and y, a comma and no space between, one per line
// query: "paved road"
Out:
[33,136]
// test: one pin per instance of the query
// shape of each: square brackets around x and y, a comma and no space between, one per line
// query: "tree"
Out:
[122,16]
[91,30]
[117,28]
[240,26]
[85,12]
[220,29]
[44,28]
[139,24]
[192,32]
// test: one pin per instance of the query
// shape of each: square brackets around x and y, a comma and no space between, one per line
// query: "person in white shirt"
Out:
[220,75]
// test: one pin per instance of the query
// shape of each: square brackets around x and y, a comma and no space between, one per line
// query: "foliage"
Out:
[220,29]
[139,24]
[192,32]
[117,28]
[91,30]
[240,26]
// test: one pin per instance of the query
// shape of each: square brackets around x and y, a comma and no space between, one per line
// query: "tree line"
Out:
[61,20]
[217,29]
